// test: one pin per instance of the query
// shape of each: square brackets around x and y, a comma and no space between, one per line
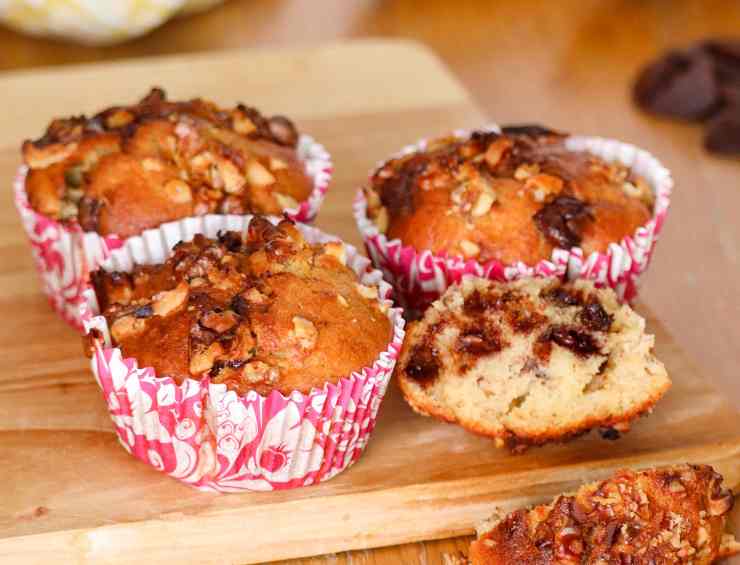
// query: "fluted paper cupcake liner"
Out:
[421,276]
[65,255]
[214,439]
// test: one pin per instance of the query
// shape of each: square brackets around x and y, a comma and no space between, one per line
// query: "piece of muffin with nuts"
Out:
[267,311]
[510,196]
[531,361]
[653,517]
[130,168]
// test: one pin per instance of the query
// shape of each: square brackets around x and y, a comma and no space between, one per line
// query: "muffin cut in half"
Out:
[531,361]
[653,517]
[131,168]
[264,311]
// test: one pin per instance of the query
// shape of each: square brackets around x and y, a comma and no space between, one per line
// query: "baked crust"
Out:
[531,362]
[657,516]
[265,312]
[130,168]
[510,197]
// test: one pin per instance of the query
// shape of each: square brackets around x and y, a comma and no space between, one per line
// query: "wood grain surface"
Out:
[568,63]
[428,479]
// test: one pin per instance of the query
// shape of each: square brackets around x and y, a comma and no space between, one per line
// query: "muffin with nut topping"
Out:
[665,515]
[264,312]
[130,168]
[531,362]
[90,183]
[519,198]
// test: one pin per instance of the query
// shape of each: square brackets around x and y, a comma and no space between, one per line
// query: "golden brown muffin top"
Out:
[657,516]
[509,196]
[263,312]
[130,168]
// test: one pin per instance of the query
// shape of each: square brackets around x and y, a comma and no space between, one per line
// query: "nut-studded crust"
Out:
[130,168]
[531,362]
[265,312]
[510,197]
[658,516]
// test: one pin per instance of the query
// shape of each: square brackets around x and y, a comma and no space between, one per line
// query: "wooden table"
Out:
[567,64]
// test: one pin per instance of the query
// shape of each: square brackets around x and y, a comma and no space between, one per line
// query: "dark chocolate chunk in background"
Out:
[680,84]
[722,133]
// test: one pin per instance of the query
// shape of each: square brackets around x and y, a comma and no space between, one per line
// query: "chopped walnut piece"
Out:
[127,326]
[277,164]
[203,361]
[285,201]
[337,250]
[484,203]
[258,175]
[369,292]
[169,300]
[219,322]
[469,248]
[259,372]
[304,332]
[178,191]
[523,172]
[496,151]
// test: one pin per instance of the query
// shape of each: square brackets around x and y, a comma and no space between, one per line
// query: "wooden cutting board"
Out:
[69,493]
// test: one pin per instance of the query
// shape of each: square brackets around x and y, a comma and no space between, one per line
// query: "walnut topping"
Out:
[178,191]
[203,361]
[126,327]
[469,249]
[543,185]
[524,171]
[285,201]
[337,250]
[241,123]
[305,332]
[259,372]
[483,205]
[151,164]
[342,300]
[496,151]
[170,300]
[277,164]
[369,292]
[219,322]
[258,175]
[118,119]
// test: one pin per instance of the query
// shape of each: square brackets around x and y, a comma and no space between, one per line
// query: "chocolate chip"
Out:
[283,131]
[477,303]
[232,240]
[144,311]
[397,192]
[531,130]
[89,213]
[561,220]
[609,433]
[722,135]
[594,317]
[563,296]
[681,84]
[423,365]
[579,342]
[480,339]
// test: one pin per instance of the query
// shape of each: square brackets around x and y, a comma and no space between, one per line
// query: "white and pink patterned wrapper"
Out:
[420,276]
[214,439]
[65,255]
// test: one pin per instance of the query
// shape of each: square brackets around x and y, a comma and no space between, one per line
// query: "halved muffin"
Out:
[531,361]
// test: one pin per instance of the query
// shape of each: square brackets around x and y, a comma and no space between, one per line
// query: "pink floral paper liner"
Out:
[213,439]
[420,277]
[64,254]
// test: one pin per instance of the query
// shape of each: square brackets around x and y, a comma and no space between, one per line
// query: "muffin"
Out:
[518,200]
[100,180]
[531,361]
[665,515]
[281,334]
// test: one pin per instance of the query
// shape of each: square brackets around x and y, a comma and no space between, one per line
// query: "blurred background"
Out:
[568,64]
